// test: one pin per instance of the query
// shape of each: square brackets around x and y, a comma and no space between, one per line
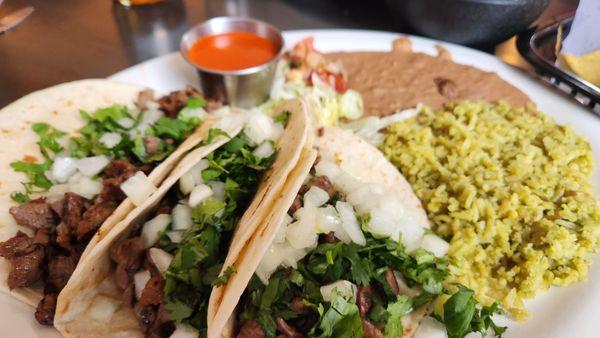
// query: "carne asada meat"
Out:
[287,330]
[151,145]
[73,208]
[60,269]
[35,214]
[26,258]
[128,254]
[92,219]
[370,330]
[46,309]
[145,96]
[251,329]
[119,169]
[391,279]
[363,300]
[173,102]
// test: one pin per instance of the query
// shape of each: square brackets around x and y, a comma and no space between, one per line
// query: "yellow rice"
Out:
[510,189]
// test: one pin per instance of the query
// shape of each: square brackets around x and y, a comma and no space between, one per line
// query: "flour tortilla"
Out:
[334,145]
[93,279]
[59,106]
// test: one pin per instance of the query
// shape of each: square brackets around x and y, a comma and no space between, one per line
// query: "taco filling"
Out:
[166,269]
[83,179]
[350,260]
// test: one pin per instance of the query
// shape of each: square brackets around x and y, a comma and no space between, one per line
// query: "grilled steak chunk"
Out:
[287,330]
[363,300]
[60,269]
[173,102]
[128,254]
[151,145]
[391,279]
[370,330]
[92,219]
[35,214]
[19,245]
[251,329]
[27,268]
[73,208]
[143,98]
[46,308]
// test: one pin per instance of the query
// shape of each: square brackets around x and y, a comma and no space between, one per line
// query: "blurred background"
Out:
[65,40]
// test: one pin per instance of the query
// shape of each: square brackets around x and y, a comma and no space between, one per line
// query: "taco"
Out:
[345,251]
[76,159]
[153,274]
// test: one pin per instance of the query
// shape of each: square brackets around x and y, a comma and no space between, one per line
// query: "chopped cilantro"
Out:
[19,197]
[213,133]
[198,258]
[461,315]
[49,137]
[283,117]
[396,310]
[196,102]
[341,319]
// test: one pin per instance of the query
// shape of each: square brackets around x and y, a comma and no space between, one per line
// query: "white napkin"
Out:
[584,36]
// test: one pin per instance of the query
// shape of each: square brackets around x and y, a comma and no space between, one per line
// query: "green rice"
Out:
[510,189]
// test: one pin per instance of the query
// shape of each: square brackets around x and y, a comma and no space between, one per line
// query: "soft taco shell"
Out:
[59,106]
[93,277]
[334,145]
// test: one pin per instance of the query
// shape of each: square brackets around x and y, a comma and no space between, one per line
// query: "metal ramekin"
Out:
[242,88]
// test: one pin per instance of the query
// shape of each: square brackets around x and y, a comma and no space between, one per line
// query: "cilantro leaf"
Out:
[213,133]
[461,316]
[19,197]
[196,102]
[49,137]
[283,117]
[341,319]
[396,310]
[224,277]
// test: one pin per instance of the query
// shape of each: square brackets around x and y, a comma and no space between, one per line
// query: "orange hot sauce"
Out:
[232,51]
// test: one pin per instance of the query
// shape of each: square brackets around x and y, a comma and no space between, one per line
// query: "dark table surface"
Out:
[66,40]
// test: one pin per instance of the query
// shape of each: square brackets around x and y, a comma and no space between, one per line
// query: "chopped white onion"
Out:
[431,328]
[260,127]
[276,255]
[264,150]
[58,190]
[350,223]
[186,183]
[329,220]
[280,234]
[315,197]
[126,122]
[63,168]
[86,187]
[138,188]
[199,194]
[190,113]
[140,279]
[103,308]
[110,140]
[184,331]
[218,189]
[196,171]
[435,245]
[161,259]
[346,183]
[301,234]
[149,117]
[327,168]
[175,236]
[182,217]
[345,288]
[152,228]
[91,166]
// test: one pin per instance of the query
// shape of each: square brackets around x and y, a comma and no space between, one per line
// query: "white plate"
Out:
[561,312]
